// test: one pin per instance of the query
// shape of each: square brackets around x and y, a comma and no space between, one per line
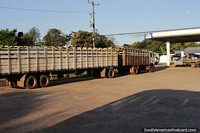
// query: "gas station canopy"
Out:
[175,36]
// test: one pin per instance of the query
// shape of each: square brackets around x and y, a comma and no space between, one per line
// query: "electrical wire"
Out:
[48,11]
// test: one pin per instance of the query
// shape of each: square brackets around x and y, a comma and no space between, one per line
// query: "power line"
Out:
[38,10]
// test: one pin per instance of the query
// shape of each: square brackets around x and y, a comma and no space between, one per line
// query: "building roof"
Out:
[192,48]
[189,50]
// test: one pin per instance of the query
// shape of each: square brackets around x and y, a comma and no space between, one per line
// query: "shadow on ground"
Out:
[70,80]
[86,77]
[155,108]
[16,105]
[161,67]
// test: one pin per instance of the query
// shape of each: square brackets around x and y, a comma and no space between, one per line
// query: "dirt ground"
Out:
[166,98]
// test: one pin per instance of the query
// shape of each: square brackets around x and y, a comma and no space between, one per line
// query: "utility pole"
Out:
[92,24]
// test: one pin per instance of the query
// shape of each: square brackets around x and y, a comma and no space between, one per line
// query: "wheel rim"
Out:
[44,80]
[111,73]
[31,82]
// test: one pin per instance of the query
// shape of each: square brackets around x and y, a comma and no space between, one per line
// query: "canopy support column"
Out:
[182,49]
[168,53]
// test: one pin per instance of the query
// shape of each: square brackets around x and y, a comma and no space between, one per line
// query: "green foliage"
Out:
[8,37]
[82,39]
[177,46]
[160,47]
[85,39]
[27,40]
[163,50]
[103,42]
[191,44]
[68,38]
[34,35]
[54,37]
[150,45]
[127,46]
[11,39]
[155,46]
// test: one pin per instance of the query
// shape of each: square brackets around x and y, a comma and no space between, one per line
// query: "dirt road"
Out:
[167,98]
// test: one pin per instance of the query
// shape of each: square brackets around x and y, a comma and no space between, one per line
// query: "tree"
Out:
[54,37]
[103,42]
[20,40]
[34,34]
[177,46]
[8,37]
[163,50]
[191,44]
[27,40]
[82,39]
[32,37]
[68,38]
[154,46]
[85,39]
[160,47]
[127,46]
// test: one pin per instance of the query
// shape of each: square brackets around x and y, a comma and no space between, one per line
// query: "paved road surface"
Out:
[169,97]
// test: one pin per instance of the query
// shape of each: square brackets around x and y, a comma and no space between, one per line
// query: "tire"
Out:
[136,70]
[121,71]
[12,84]
[151,68]
[96,73]
[173,65]
[111,72]
[193,65]
[44,81]
[31,82]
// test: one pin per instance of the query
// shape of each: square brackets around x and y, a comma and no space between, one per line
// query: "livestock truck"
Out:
[32,66]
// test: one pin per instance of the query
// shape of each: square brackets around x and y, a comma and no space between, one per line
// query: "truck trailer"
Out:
[32,66]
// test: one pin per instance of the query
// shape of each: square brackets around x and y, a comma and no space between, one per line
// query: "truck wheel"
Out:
[111,72]
[96,73]
[193,65]
[31,82]
[12,84]
[151,68]
[136,70]
[44,80]
[173,65]
[121,71]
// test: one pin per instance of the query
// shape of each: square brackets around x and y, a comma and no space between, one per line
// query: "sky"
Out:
[111,16]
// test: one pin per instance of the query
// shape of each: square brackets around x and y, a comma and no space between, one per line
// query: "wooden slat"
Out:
[28,59]
[53,58]
[60,56]
[9,64]
[21,59]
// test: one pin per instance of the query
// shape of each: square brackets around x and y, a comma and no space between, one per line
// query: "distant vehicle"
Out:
[192,60]
[157,58]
